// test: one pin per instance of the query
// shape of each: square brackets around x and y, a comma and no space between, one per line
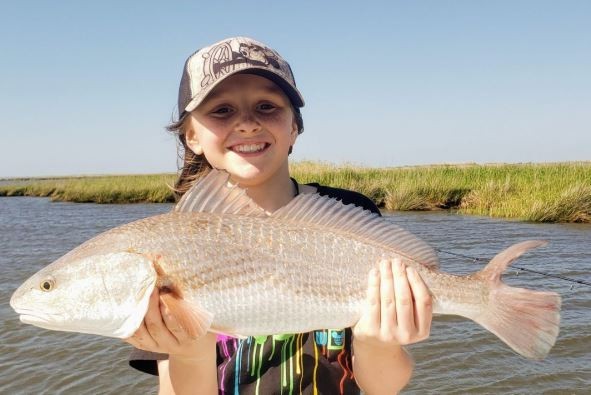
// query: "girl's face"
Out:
[244,126]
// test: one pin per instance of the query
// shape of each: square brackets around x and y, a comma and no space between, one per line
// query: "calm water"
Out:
[460,357]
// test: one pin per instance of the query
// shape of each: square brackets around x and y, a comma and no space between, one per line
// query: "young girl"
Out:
[239,110]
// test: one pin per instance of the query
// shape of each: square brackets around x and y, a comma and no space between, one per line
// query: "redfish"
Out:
[222,264]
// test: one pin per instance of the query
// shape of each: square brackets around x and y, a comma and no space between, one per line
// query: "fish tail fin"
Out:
[528,321]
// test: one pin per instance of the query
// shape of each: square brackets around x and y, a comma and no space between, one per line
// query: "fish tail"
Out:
[528,321]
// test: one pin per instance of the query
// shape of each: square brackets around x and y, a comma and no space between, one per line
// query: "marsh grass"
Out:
[98,189]
[549,192]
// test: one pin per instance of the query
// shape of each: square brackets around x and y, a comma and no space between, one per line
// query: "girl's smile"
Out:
[249,148]
[246,126]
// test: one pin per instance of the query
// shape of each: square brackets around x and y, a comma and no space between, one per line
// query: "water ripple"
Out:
[459,358]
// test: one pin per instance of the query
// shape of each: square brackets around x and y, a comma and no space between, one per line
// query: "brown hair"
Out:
[196,166]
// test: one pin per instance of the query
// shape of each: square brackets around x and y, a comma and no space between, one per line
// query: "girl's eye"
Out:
[266,107]
[221,111]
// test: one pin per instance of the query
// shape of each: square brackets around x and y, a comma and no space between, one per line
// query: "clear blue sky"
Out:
[86,87]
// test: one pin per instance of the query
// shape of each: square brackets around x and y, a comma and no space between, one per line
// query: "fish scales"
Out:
[232,268]
[226,265]
[264,264]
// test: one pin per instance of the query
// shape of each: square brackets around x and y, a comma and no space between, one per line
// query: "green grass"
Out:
[97,189]
[550,192]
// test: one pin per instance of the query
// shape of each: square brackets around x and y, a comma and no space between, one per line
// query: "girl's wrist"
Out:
[373,345]
[204,349]
[188,359]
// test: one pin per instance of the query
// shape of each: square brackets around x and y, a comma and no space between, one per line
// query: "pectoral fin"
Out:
[195,320]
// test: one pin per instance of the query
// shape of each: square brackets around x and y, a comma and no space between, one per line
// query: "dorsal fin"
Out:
[495,268]
[333,214]
[216,193]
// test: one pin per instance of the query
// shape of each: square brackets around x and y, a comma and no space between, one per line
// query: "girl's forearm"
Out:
[192,375]
[381,370]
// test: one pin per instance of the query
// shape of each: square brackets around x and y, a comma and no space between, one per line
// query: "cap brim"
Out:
[292,93]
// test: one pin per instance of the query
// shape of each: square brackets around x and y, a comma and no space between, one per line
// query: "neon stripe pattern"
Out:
[318,362]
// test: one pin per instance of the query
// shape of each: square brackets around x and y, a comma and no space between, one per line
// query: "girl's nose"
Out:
[247,123]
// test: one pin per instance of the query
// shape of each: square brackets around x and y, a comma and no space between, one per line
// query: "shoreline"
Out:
[535,192]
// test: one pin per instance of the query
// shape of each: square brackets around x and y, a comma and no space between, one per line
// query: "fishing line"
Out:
[475,259]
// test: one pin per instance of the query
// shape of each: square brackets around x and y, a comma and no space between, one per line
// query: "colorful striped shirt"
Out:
[318,362]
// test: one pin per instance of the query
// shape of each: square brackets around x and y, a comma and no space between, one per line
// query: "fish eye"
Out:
[47,284]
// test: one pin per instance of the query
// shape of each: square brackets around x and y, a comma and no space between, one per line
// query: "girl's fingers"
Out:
[404,302]
[152,320]
[423,303]
[372,315]
[399,306]
[368,325]
[387,298]
[155,324]
[141,339]
[172,324]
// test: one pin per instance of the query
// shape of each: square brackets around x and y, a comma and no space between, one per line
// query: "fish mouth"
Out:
[35,317]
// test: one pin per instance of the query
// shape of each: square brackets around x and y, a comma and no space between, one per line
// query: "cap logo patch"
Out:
[221,59]
[209,66]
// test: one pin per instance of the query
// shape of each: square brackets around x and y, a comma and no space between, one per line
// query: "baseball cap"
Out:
[209,66]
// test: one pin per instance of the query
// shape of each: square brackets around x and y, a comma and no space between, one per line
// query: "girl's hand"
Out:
[160,332]
[398,309]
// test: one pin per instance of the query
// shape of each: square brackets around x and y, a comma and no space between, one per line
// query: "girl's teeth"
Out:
[249,147]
